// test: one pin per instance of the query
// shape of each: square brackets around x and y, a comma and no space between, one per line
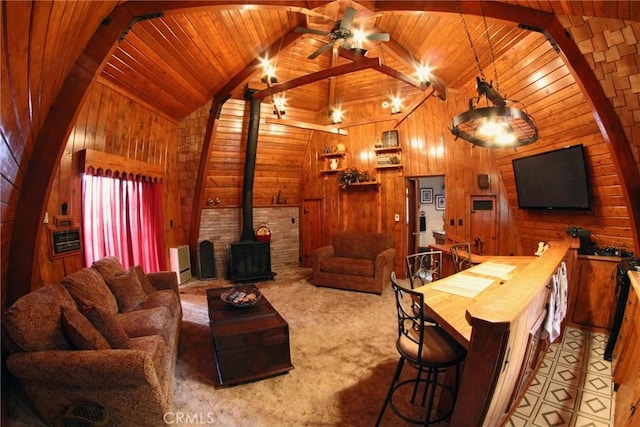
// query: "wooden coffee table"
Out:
[249,343]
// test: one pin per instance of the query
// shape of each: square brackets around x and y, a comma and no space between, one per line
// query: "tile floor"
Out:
[573,386]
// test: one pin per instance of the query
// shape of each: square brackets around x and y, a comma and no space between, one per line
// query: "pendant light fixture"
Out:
[499,124]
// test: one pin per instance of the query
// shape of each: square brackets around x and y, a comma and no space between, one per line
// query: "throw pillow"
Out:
[88,284]
[127,289]
[147,287]
[107,324]
[81,332]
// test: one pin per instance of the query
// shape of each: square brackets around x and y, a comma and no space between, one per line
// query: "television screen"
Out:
[553,180]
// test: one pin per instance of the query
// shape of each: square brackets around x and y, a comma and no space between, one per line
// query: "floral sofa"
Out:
[359,261]
[104,341]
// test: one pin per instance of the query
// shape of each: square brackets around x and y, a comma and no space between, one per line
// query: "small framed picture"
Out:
[439,203]
[426,195]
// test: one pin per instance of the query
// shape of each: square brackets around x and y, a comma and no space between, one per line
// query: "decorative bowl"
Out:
[241,296]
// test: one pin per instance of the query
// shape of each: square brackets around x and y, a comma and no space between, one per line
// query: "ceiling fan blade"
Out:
[381,37]
[321,50]
[311,31]
[347,19]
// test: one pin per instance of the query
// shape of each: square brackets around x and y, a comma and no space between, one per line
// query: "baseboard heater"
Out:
[180,262]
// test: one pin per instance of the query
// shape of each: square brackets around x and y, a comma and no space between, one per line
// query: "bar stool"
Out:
[424,267]
[461,256]
[427,348]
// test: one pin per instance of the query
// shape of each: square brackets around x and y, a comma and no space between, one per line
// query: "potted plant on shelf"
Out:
[347,176]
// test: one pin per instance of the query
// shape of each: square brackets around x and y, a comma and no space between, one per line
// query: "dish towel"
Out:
[557,306]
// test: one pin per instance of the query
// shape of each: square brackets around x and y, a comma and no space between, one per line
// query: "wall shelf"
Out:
[371,184]
[333,155]
[384,156]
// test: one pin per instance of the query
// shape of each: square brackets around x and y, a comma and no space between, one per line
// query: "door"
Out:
[311,228]
[413,230]
[483,224]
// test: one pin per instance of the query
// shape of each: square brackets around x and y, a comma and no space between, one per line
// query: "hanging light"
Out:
[499,124]
[279,102]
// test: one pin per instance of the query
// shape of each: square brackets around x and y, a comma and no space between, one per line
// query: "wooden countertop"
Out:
[501,301]
[634,277]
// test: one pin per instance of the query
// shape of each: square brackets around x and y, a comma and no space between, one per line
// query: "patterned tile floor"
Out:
[573,386]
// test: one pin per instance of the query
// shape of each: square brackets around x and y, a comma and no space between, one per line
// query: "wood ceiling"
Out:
[180,61]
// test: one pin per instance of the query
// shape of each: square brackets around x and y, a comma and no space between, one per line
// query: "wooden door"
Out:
[311,229]
[483,224]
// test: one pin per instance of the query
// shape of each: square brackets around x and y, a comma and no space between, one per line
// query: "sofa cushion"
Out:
[33,322]
[108,267]
[348,266]
[127,289]
[147,287]
[151,321]
[89,286]
[164,298]
[82,334]
[108,326]
[360,244]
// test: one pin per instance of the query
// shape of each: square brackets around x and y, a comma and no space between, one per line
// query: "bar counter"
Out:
[495,310]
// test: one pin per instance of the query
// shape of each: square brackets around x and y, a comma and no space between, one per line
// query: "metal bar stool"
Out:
[427,348]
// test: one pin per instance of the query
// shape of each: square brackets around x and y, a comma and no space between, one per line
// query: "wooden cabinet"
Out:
[626,363]
[593,292]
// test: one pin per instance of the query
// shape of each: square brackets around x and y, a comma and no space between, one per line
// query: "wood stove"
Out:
[250,260]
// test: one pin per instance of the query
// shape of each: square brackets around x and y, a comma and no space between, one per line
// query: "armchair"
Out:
[359,261]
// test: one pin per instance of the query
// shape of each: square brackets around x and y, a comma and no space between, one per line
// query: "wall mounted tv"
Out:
[556,179]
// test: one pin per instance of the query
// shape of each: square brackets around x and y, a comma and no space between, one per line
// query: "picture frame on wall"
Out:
[426,195]
[439,203]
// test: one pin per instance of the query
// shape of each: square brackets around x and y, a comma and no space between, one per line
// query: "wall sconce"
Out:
[336,116]
[396,105]
[278,104]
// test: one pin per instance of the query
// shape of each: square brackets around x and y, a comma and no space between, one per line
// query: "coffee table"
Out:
[249,343]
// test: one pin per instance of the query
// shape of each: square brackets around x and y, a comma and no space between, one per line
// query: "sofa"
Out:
[101,346]
[358,261]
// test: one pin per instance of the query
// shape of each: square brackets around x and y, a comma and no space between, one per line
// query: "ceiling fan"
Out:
[341,32]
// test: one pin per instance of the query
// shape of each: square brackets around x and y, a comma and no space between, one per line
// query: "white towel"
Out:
[557,307]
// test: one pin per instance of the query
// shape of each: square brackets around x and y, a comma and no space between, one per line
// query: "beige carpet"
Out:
[342,349]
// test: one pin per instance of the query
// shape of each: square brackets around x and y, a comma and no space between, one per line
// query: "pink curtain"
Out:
[123,218]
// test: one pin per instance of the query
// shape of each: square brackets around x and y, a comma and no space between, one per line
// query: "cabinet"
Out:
[333,162]
[389,157]
[593,292]
[626,362]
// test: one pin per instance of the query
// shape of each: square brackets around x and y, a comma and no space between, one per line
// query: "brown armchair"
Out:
[359,261]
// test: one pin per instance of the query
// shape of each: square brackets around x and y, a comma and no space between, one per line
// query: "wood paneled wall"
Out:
[40,42]
[279,158]
[428,148]
[116,124]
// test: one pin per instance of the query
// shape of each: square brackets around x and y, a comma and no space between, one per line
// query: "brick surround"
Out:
[224,225]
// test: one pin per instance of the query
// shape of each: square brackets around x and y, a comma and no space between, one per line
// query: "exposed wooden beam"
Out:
[413,107]
[310,126]
[320,75]
[47,152]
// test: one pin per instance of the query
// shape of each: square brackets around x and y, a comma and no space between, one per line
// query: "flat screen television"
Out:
[556,179]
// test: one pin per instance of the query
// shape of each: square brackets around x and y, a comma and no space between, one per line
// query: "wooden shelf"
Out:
[364,184]
[330,171]
[396,166]
[333,155]
[395,149]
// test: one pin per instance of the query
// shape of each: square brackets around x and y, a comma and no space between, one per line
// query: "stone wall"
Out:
[223,226]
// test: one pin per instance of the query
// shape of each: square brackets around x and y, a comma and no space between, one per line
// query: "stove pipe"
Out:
[248,235]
